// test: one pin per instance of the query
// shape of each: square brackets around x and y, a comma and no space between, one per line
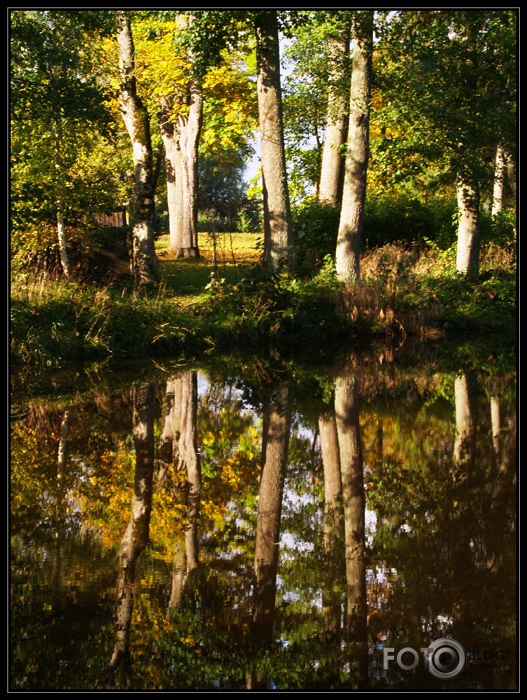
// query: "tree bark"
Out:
[347,260]
[170,139]
[136,119]
[61,234]
[500,168]
[332,159]
[277,214]
[180,120]
[467,259]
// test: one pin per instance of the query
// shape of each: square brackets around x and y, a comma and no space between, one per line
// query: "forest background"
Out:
[385,204]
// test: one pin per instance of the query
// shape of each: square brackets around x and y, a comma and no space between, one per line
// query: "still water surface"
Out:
[249,524]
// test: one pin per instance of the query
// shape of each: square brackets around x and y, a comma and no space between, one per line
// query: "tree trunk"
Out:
[332,159]
[350,227]
[277,215]
[135,116]
[181,133]
[170,139]
[498,190]
[511,173]
[277,419]
[467,260]
[61,234]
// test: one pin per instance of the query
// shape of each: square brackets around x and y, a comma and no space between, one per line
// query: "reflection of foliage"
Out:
[440,552]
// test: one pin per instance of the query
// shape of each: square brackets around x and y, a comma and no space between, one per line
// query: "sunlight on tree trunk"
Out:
[332,160]
[347,261]
[467,260]
[499,180]
[136,119]
[277,215]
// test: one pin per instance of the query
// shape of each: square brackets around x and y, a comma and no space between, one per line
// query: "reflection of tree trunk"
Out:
[61,462]
[464,445]
[350,447]
[276,427]
[136,534]
[178,445]
[332,511]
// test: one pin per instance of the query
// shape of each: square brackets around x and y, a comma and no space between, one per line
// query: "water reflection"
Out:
[266,529]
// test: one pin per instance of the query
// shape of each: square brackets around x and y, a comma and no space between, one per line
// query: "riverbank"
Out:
[202,305]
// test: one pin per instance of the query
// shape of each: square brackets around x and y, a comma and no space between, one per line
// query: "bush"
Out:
[315,229]
[403,218]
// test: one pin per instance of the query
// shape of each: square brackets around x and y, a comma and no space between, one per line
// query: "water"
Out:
[246,523]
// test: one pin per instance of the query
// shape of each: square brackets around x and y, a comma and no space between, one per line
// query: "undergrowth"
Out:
[405,290]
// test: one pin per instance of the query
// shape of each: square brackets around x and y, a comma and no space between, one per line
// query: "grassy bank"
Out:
[198,306]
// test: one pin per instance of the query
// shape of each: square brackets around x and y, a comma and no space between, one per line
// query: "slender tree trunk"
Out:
[500,168]
[347,260]
[61,235]
[277,419]
[277,215]
[332,159]
[467,260]
[136,119]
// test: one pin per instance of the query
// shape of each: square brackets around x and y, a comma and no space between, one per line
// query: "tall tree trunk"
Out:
[136,119]
[277,214]
[500,168]
[276,427]
[189,135]
[467,259]
[347,260]
[170,139]
[351,467]
[136,534]
[332,158]
[181,134]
